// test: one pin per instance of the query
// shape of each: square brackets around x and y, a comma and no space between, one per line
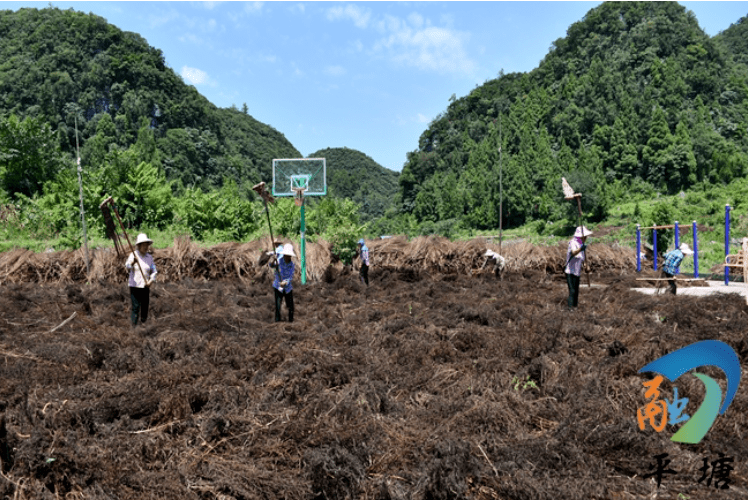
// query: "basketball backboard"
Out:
[290,173]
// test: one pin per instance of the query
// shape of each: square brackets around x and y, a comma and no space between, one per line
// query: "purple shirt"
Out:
[574,264]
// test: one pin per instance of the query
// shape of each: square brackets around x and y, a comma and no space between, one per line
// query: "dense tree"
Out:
[356,176]
[28,155]
[635,95]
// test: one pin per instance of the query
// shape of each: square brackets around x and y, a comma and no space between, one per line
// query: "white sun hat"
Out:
[685,249]
[288,250]
[143,238]
[582,232]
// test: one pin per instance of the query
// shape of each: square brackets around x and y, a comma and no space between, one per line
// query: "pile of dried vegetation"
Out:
[185,259]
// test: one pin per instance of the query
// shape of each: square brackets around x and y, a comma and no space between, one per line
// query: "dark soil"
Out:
[420,386]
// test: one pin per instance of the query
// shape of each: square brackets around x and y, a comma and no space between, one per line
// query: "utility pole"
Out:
[501,191]
[80,190]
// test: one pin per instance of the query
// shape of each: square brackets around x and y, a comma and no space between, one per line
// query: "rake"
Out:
[105,207]
[569,194]
[266,198]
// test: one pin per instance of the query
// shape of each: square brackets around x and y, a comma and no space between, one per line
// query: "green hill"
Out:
[353,174]
[53,61]
[635,99]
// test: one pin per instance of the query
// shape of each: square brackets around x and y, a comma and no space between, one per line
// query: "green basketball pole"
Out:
[303,245]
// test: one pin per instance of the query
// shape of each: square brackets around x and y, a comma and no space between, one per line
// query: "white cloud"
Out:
[194,76]
[358,15]
[298,8]
[156,21]
[210,5]
[416,20]
[413,41]
[253,7]
[192,38]
[422,119]
[427,48]
[335,71]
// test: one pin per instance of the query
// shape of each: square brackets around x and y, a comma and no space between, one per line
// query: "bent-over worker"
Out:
[142,275]
[575,256]
[284,270]
[497,260]
[672,262]
[363,253]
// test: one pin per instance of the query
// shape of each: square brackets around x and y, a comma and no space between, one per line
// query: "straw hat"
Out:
[685,249]
[143,239]
[288,250]
[582,232]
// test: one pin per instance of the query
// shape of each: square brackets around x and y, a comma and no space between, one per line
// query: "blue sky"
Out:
[364,75]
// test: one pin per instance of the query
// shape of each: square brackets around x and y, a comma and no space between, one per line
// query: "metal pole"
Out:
[727,241]
[80,190]
[303,244]
[501,191]
[677,244]
[695,253]
[638,248]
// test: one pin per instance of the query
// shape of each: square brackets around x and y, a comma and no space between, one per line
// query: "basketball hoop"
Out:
[298,197]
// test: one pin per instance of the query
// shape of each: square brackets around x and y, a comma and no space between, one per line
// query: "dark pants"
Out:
[573,282]
[140,299]
[363,273]
[672,287]
[279,302]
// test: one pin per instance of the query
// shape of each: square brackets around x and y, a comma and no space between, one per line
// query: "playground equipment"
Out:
[738,260]
[734,260]
[677,243]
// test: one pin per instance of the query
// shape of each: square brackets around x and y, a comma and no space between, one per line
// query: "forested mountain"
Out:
[635,97]
[58,65]
[352,174]
[735,40]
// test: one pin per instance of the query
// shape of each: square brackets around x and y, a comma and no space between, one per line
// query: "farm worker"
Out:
[140,284]
[672,262]
[496,259]
[575,256]
[284,270]
[363,253]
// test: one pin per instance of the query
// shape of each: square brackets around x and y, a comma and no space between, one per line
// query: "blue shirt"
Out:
[284,272]
[365,255]
[672,261]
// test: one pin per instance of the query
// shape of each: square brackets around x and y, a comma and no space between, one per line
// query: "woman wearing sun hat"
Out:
[142,275]
[672,262]
[363,253]
[284,270]
[575,256]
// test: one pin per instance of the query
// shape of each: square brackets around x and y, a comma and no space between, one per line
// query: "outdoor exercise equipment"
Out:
[654,229]
[734,260]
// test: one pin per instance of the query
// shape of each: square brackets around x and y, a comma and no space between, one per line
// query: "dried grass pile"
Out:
[438,254]
[185,259]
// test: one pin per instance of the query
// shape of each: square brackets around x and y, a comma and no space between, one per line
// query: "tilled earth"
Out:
[419,386]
